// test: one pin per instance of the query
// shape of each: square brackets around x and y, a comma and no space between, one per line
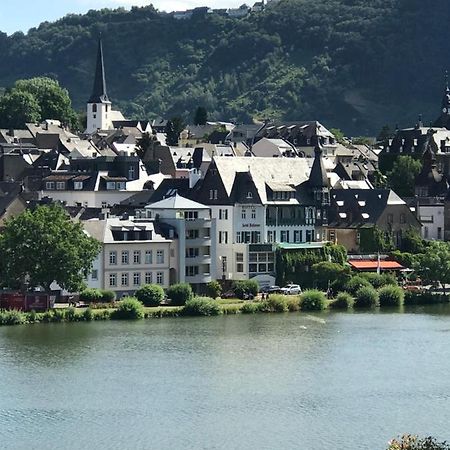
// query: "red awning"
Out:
[364,264]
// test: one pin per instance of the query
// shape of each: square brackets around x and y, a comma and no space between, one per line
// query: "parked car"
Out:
[228,294]
[291,289]
[271,289]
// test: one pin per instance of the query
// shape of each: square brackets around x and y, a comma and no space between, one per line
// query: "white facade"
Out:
[432,218]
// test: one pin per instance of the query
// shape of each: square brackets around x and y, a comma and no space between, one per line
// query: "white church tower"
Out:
[99,114]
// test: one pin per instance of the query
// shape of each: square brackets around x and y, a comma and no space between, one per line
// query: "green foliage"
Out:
[342,301]
[328,273]
[12,317]
[405,259]
[91,295]
[402,176]
[246,287]
[425,298]
[379,280]
[35,100]
[201,306]
[108,296]
[412,242]
[434,264]
[391,296]
[179,294]
[374,240]
[200,116]
[251,307]
[88,315]
[275,304]
[173,129]
[410,442]
[150,294]
[71,315]
[293,303]
[313,300]
[366,297]
[339,135]
[296,265]
[44,245]
[355,283]
[129,308]
[213,289]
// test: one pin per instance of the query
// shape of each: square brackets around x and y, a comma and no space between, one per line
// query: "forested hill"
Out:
[352,64]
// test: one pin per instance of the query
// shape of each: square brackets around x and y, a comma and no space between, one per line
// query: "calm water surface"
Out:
[275,382]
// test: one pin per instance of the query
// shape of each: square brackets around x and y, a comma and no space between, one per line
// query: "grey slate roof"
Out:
[99,94]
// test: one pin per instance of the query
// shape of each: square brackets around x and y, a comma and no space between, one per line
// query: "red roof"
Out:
[365,264]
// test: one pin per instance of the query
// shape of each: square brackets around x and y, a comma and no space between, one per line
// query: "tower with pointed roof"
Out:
[444,118]
[99,105]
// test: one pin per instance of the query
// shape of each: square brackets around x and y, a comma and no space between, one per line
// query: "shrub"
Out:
[88,315]
[201,306]
[47,317]
[251,307]
[355,283]
[326,273]
[91,295]
[71,315]
[230,309]
[180,293]
[150,294]
[213,289]
[59,315]
[313,300]
[32,317]
[293,303]
[246,287]
[380,280]
[103,314]
[424,298]
[275,303]
[343,301]
[12,317]
[391,296]
[366,297]
[129,308]
[408,442]
[107,296]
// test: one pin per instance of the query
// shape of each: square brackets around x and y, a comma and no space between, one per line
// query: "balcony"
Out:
[198,242]
[200,278]
[272,222]
[200,259]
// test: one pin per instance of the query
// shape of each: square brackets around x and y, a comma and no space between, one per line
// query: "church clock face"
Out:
[444,110]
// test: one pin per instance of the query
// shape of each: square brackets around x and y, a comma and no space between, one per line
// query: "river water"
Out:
[340,381]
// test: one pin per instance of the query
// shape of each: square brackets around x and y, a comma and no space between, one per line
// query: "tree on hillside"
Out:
[200,116]
[43,246]
[35,100]
[401,177]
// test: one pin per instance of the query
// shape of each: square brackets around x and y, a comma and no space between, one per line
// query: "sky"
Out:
[25,14]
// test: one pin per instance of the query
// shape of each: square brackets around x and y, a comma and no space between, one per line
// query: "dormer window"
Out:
[249,195]
[50,185]
[78,185]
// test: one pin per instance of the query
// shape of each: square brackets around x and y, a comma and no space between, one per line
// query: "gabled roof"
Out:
[176,202]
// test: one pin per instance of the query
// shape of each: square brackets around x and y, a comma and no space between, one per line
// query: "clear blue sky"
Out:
[25,14]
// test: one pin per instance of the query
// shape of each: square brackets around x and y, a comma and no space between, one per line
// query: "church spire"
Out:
[99,94]
[446,97]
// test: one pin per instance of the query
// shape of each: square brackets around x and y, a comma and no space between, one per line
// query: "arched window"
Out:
[94,108]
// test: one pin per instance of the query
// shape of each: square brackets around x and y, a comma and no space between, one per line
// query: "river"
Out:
[338,381]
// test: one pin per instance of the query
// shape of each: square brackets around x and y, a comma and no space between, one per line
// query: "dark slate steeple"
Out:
[318,177]
[99,94]
[444,119]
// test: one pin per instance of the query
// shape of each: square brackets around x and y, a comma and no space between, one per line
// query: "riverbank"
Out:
[130,309]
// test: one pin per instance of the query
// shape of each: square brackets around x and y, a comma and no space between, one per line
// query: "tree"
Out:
[327,273]
[200,116]
[403,174]
[173,129]
[434,263]
[43,246]
[35,100]
[150,294]
[339,135]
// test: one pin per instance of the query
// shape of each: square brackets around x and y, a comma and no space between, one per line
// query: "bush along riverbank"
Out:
[130,308]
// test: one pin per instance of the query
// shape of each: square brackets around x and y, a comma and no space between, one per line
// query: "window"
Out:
[191,215]
[136,257]
[113,257]
[160,277]
[121,185]
[390,218]
[223,237]
[125,257]
[192,234]
[124,279]
[213,194]
[160,257]
[298,236]
[253,213]
[249,195]
[239,267]
[148,278]
[239,257]
[192,252]
[271,236]
[332,235]
[113,279]
[148,257]
[94,274]
[110,185]
[94,108]
[104,205]
[78,185]
[131,172]
[50,185]
[284,236]
[439,233]
[191,271]
[136,279]
[425,232]
[402,218]
[60,185]
[244,213]
[223,214]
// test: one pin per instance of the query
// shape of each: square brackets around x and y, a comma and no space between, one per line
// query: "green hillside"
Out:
[352,64]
